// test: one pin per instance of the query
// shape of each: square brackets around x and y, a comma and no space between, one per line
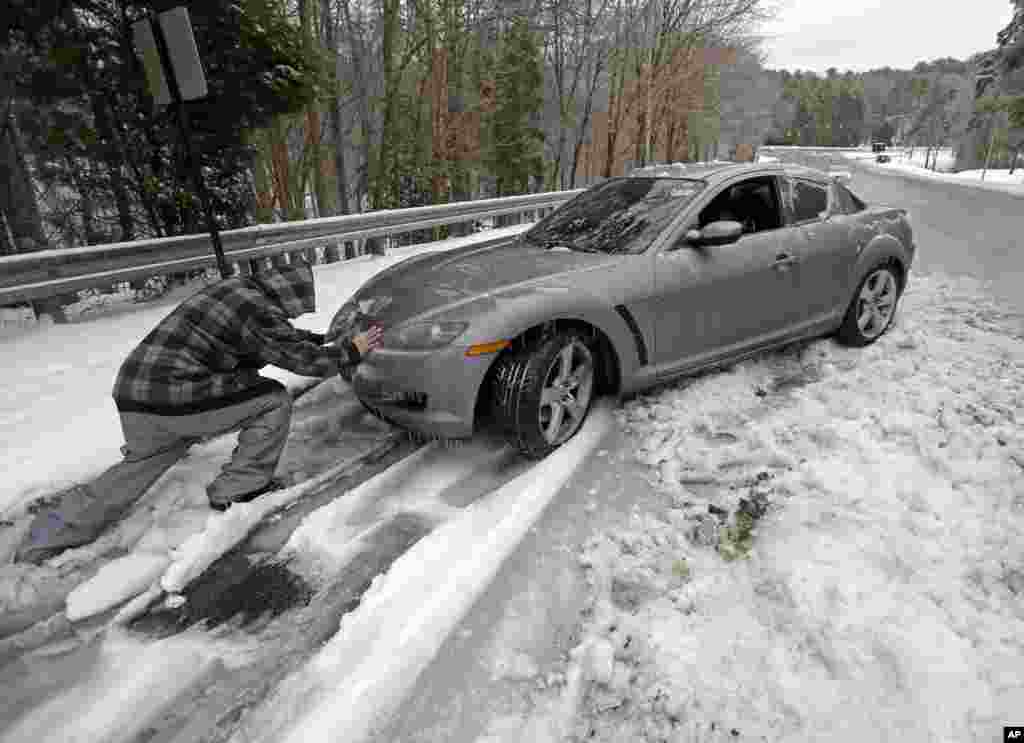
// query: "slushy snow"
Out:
[352,685]
[878,595]
[63,427]
[115,583]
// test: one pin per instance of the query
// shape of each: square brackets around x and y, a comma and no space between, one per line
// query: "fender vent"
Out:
[638,337]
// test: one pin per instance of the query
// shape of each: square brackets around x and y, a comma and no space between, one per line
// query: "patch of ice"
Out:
[132,683]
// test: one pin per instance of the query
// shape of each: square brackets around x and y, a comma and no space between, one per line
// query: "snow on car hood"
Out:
[432,281]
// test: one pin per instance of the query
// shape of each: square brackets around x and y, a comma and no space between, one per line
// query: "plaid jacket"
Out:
[207,353]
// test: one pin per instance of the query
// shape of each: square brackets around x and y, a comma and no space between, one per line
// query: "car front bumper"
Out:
[431,393]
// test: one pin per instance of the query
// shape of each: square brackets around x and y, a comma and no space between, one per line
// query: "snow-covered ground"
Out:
[358,679]
[57,419]
[997,179]
[60,426]
[839,555]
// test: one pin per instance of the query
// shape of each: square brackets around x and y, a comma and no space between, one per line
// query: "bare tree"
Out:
[329,25]
[575,57]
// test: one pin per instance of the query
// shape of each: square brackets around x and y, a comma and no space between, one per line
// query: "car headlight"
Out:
[423,336]
[344,321]
[347,319]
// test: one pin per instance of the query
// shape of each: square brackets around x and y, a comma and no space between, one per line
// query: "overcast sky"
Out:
[818,34]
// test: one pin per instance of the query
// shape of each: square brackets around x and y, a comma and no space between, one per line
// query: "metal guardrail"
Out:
[48,273]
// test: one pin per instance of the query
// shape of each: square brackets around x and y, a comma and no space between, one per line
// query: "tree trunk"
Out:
[988,155]
[110,151]
[24,228]
[614,114]
[337,128]
[584,124]
[670,141]
[383,185]
[88,208]
[115,168]
[363,94]
[126,44]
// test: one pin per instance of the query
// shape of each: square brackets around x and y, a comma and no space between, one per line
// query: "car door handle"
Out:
[785,259]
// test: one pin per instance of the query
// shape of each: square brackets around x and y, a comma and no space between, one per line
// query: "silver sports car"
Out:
[637,280]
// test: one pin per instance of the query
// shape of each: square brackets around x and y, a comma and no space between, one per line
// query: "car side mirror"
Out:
[722,232]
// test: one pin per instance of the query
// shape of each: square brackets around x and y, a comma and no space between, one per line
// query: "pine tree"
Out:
[517,146]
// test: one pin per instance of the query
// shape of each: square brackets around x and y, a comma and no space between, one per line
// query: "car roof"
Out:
[715,173]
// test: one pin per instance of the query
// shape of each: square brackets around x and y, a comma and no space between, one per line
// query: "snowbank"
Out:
[995,179]
[838,557]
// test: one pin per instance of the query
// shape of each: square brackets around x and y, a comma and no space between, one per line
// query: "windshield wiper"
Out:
[553,244]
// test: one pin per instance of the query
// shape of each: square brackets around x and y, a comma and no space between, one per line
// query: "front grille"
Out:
[404,399]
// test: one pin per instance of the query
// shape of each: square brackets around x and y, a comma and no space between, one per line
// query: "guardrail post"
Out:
[53,306]
[331,252]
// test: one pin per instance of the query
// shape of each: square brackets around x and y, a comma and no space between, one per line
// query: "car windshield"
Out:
[621,215]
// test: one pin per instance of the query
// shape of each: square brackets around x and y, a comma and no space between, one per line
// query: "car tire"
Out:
[539,401]
[872,308]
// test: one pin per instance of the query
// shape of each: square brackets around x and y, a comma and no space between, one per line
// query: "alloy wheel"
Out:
[876,302]
[566,393]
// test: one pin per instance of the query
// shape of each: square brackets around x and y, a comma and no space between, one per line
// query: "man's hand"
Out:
[366,342]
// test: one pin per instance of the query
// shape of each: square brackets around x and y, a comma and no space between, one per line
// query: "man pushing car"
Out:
[196,375]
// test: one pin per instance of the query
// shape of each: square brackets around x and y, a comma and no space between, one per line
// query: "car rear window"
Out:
[810,200]
[858,205]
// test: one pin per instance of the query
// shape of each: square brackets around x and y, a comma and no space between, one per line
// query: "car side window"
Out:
[844,202]
[810,201]
[753,203]
[841,201]
[856,205]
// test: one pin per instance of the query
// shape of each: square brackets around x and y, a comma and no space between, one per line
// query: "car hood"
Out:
[438,280]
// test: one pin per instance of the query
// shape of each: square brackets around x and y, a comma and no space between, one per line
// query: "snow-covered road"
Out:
[436,527]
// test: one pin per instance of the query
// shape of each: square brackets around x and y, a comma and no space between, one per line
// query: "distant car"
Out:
[878,146]
[882,158]
[635,281]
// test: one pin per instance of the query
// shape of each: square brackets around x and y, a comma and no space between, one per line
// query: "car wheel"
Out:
[873,307]
[542,395]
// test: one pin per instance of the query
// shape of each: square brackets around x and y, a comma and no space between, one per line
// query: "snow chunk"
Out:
[516,666]
[116,582]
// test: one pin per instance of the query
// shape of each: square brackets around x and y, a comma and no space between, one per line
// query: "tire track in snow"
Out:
[359,678]
[330,561]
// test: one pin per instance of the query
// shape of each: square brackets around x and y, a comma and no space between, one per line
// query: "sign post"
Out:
[175,74]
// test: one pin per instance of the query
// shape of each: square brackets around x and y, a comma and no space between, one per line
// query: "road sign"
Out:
[167,47]
[182,52]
